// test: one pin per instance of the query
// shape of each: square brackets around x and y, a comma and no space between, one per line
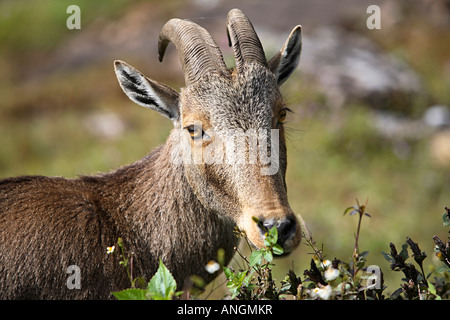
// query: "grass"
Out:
[330,169]
[41,25]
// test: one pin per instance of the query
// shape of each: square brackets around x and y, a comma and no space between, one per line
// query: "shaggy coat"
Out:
[54,232]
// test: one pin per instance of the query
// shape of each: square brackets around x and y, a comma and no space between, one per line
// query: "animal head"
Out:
[228,132]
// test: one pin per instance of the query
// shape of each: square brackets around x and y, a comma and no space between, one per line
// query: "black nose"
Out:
[286,227]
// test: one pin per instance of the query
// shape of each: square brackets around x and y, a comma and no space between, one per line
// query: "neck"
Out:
[161,217]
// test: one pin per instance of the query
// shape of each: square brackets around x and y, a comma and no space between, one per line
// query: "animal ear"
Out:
[284,62]
[147,93]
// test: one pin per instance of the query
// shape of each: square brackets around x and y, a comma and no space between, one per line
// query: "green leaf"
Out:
[432,290]
[277,249]
[446,219]
[388,257]
[255,258]
[364,254]
[228,273]
[130,294]
[273,235]
[268,255]
[241,276]
[162,286]
[354,208]
[404,253]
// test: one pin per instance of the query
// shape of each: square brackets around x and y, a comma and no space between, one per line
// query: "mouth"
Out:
[270,242]
[280,235]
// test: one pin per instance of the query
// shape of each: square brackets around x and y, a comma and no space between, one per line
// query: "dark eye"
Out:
[196,132]
[282,116]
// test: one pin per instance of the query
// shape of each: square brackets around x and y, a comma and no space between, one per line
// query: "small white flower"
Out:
[325,264]
[323,292]
[331,273]
[212,266]
[110,249]
[313,293]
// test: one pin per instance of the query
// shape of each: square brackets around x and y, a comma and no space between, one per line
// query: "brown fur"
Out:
[52,223]
[179,212]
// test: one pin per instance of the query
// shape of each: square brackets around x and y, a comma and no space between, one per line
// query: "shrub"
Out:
[326,280]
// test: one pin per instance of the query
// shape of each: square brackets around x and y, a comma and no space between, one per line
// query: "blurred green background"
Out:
[371,107]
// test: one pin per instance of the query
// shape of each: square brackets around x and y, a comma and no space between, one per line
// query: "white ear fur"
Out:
[145,92]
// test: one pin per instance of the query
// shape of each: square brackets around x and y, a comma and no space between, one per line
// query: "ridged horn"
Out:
[198,52]
[244,40]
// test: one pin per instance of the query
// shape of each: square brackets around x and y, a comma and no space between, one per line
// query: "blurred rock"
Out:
[437,116]
[399,128]
[350,67]
[395,127]
[433,127]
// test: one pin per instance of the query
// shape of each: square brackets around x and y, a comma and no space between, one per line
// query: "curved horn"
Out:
[243,38]
[199,54]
